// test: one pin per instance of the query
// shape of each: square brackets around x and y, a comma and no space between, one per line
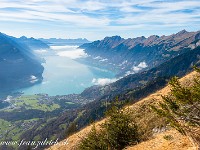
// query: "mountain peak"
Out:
[23,38]
[181,32]
[114,38]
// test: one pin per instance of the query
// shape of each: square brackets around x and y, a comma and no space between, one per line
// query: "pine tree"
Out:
[118,131]
[94,141]
[181,107]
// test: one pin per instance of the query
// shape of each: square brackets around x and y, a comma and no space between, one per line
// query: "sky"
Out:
[96,19]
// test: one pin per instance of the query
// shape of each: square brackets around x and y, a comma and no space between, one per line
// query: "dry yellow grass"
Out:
[74,140]
[148,120]
[177,142]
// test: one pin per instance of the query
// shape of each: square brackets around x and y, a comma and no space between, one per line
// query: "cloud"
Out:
[77,11]
[102,60]
[98,57]
[33,79]
[69,51]
[73,54]
[164,13]
[142,65]
[104,17]
[41,51]
[103,81]
[66,47]
[137,68]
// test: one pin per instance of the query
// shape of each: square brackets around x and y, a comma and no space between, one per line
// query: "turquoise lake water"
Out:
[64,75]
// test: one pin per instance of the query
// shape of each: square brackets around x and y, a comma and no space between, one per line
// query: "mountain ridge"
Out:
[166,70]
[124,55]
[60,41]
[33,43]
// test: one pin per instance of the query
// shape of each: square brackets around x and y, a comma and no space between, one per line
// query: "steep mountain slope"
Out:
[19,67]
[127,56]
[132,88]
[177,142]
[149,121]
[177,66]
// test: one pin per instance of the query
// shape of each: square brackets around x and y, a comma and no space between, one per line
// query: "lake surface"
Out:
[64,75]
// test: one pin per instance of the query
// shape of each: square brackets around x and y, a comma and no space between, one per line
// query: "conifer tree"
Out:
[118,131]
[181,107]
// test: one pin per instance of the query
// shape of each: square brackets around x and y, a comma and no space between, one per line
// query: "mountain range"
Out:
[183,51]
[59,41]
[133,55]
[32,43]
[144,65]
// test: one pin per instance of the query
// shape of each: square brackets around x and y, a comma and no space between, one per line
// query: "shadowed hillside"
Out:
[19,66]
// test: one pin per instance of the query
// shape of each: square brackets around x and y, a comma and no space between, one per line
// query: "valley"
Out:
[76,82]
[62,76]
[99,75]
[24,112]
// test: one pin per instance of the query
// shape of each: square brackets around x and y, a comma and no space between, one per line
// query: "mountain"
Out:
[32,43]
[55,41]
[129,56]
[133,88]
[177,66]
[19,67]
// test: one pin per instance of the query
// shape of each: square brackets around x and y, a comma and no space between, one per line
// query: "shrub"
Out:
[118,131]
[168,137]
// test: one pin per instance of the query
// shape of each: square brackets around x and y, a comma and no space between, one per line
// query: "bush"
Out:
[116,133]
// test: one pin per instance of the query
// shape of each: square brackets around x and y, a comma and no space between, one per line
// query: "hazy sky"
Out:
[95,19]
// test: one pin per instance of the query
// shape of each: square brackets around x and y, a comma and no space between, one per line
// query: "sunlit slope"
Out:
[149,121]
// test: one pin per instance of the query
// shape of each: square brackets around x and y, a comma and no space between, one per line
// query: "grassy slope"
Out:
[175,142]
[149,121]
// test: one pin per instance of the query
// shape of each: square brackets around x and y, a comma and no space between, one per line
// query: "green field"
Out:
[33,102]
[4,125]
[18,125]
